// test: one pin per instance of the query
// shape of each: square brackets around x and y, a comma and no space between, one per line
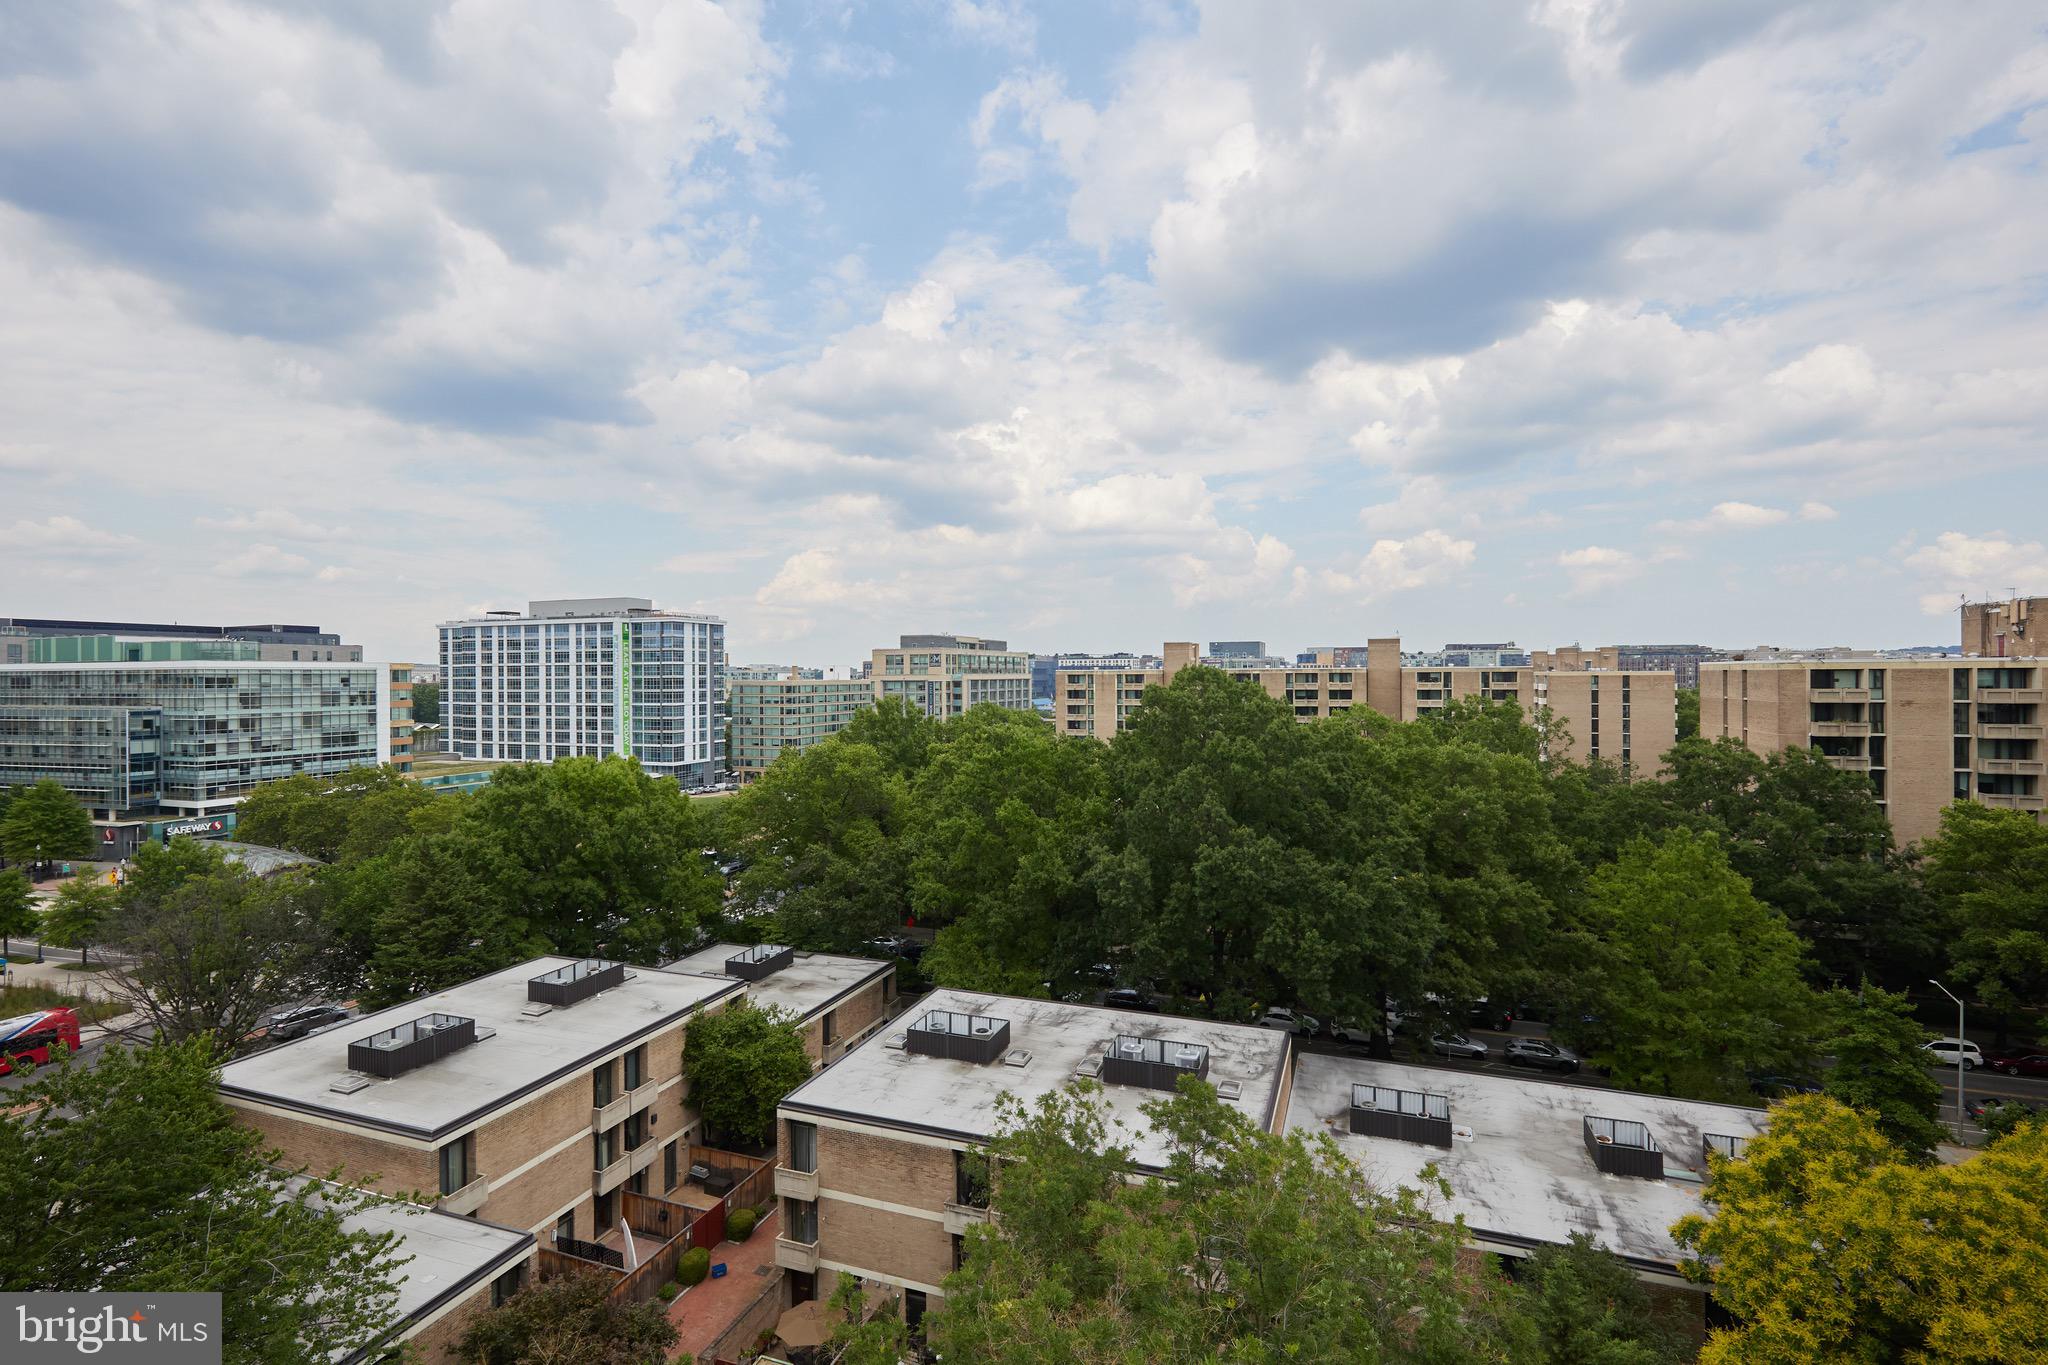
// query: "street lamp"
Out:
[1959,1055]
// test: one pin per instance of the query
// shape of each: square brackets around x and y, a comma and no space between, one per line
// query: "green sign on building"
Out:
[625,706]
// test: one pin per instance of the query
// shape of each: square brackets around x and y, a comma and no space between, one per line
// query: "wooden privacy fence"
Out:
[662,1222]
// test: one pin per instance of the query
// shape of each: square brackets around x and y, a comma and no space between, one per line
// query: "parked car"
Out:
[1457,1045]
[2020,1063]
[297,1023]
[1344,1031]
[1945,1051]
[1130,998]
[1484,1014]
[1993,1104]
[1292,1021]
[1777,1087]
[897,945]
[1534,1052]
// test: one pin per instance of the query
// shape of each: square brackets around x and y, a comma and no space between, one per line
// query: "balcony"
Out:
[960,1217]
[1838,694]
[2017,696]
[1839,729]
[2008,732]
[624,1167]
[1849,763]
[796,1184]
[466,1200]
[2004,801]
[2017,767]
[630,1102]
[798,1256]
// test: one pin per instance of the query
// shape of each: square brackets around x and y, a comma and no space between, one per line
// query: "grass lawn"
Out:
[22,999]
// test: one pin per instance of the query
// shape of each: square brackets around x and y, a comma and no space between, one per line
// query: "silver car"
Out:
[1457,1045]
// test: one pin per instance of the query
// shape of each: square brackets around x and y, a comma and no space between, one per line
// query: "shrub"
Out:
[739,1225]
[668,1290]
[693,1266]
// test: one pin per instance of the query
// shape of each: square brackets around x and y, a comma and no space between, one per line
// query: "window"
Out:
[601,1085]
[829,1022]
[668,1167]
[636,1067]
[507,1284]
[800,1216]
[959,1251]
[803,1146]
[455,1163]
[636,1129]
[565,1227]
[970,1179]
[606,1210]
[605,1148]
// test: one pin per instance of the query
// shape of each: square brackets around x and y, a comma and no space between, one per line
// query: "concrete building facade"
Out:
[2017,626]
[1927,731]
[769,717]
[270,643]
[591,676]
[945,675]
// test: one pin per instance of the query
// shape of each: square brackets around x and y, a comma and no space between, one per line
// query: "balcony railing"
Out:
[1839,729]
[466,1200]
[2016,767]
[798,1256]
[2011,801]
[590,1251]
[2008,732]
[1854,763]
[791,1184]
[631,1102]
[1840,694]
[2019,696]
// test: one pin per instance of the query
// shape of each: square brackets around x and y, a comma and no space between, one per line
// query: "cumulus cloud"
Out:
[67,537]
[263,559]
[1393,566]
[1594,567]
[1816,511]
[1728,516]
[1990,565]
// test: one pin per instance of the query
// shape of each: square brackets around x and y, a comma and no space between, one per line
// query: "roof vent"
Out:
[1155,1063]
[894,1042]
[1624,1147]
[1091,1065]
[960,1037]
[1726,1144]
[1405,1115]
[1017,1057]
[412,1044]
[535,1011]
[1229,1090]
[349,1083]
[577,981]
[763,959]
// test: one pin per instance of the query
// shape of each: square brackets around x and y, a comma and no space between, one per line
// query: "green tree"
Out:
[1252,1247]
[894,728]
[1588,1308]
[1880,1069]
[740,1061]
[206,948]
[1250,858]
[1829,1245]
[1988,870]
[77,918]
[132,1175]
[426,703]
[1688,701]
[17,908]
[45,823]
[569,1320]
[313,814]
[1694,980]
[861,1338]
[452,913]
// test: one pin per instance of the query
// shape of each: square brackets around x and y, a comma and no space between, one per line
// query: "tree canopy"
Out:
[132,1175]
[1989,870]
[1881,1071]
[78,917]
[569,1320]
[45,822]
[740,1061]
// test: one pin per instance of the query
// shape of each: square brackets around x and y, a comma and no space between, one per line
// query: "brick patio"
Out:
[702,1314]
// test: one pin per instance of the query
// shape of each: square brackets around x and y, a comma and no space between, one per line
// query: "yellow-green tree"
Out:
[1829,1245]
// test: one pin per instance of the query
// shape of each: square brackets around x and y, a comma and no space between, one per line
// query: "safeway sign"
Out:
[199,828]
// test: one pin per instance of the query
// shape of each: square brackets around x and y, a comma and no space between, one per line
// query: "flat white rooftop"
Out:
[890,1086]
[522,1052]
[1518,1166]
[811,984]
[451,1257]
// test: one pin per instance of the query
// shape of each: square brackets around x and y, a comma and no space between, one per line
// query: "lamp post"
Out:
[1959,1055]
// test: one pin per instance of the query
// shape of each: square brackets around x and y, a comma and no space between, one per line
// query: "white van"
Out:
[1944,1051]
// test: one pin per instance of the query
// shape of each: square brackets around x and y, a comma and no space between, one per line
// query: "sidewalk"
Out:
[703,1314]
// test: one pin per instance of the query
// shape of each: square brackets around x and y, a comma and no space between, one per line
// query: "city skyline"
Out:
[1079,327]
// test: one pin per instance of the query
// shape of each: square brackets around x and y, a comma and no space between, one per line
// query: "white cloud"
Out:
[1728,516]
[66,536]
[1393,566]
[1004,24]
[1817,511]
[1958,564]
[260,560]
[1595,567]
[277,521]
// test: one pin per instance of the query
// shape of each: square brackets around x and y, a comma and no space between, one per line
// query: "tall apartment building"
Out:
[151,747]
[944,675]
[592,676]
[271,643]
[1637,724]
[878,1176]
[769,717]
[1927,731]
[2015,627]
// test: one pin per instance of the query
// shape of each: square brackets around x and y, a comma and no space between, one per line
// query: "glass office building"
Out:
[594,676]
[192,737]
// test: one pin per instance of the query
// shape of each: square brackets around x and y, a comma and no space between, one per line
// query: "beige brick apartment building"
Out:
[944,675]
[1620,716]
[1928,731]
[839,1001]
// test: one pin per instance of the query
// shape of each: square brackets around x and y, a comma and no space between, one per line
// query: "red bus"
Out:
[29,1038]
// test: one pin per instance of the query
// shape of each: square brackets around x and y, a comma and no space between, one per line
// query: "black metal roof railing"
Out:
[412,1044]
[1406,1115]
[962,1037]
[762,959]
[577,981]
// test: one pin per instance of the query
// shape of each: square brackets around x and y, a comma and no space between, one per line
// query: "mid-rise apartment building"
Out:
[945,675]
[453,1269]
[875,1173]
[1927,730]
[2018,626]
[1682,661]
[183,740]
[771,716]
[591,676]
[1633,721]
[837,1001]
[1237,649]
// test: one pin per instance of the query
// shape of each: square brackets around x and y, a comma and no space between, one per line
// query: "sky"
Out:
[1085,325]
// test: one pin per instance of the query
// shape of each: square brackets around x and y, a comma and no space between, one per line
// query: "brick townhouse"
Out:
[838,1001]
